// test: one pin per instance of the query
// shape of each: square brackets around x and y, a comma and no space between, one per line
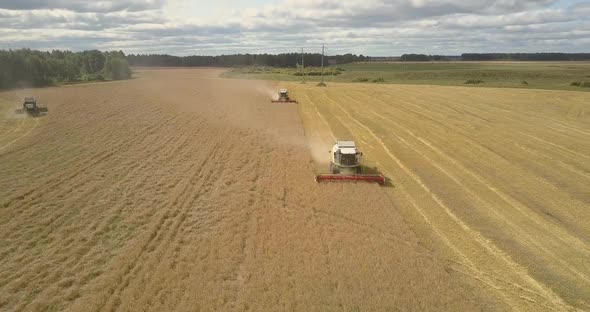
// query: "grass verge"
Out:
[528,75]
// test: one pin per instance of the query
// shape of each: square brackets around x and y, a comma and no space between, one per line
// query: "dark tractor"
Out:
[31,107]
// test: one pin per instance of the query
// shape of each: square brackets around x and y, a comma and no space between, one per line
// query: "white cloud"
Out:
[82,5]
[374,27]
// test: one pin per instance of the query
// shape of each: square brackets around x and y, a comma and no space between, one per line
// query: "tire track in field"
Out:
[537,94]
[7,129]
[321,117]
[565,166]
[505,117]
[492,105]
[20,137]
[499,105]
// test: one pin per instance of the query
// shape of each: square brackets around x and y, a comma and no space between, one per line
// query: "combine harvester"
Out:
[283,97]
[345,165]
[30,107]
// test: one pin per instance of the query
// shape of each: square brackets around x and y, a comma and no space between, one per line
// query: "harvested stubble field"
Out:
[180,191]
[495,181]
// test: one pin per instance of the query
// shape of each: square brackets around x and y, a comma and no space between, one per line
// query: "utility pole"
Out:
[322,84]
[322,70]
[302,66]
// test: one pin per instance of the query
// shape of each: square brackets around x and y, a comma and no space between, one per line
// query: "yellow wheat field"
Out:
[180,191]
[494,181]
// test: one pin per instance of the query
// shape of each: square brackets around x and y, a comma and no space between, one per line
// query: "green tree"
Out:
[27,67]
[116,67]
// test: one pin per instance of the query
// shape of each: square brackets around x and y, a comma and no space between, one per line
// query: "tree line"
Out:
[498,57]
[26,67]
[422,58]
[274,60]
[525,56]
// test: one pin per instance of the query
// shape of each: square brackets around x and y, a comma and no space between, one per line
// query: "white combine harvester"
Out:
[345,165]
[283,97]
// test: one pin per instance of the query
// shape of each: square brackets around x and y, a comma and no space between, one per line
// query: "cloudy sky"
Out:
[370,27]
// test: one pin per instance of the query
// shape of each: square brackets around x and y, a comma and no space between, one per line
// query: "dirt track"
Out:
[496,180]
[181,191]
